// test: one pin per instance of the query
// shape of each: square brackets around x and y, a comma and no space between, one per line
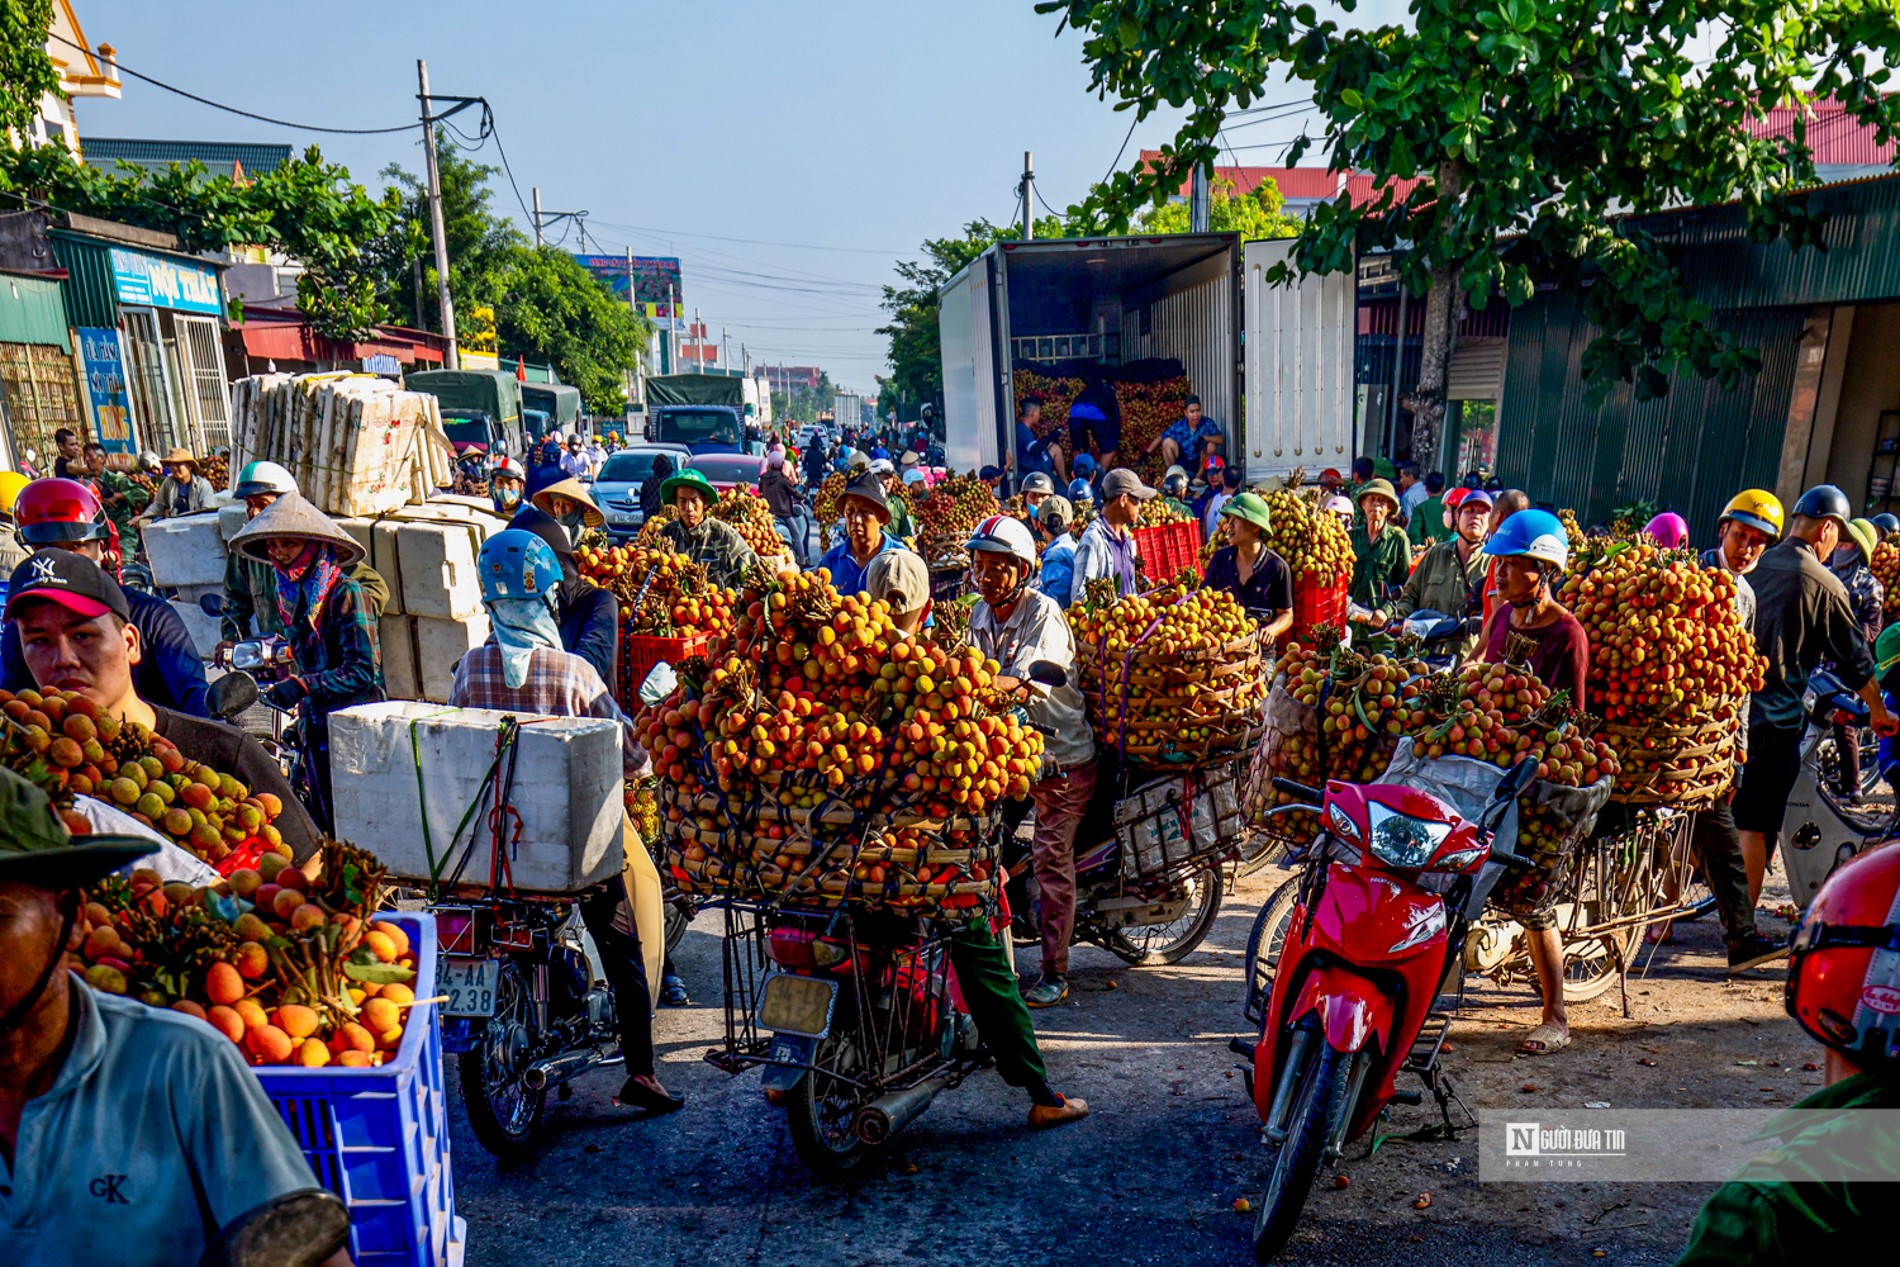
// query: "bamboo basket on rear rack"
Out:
[897,860]
[1687,767]
[1214,690]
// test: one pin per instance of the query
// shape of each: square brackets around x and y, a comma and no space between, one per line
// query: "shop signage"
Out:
[382,363]
[103,367]
[161,282]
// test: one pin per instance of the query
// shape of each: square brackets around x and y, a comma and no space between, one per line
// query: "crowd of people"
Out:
[1479,559]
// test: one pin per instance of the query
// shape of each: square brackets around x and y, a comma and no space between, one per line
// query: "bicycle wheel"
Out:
[1611,885]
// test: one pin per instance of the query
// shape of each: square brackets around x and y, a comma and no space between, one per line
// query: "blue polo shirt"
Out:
[847,575]
[154,1135]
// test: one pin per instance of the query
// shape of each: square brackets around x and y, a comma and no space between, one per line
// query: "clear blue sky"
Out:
[856,126]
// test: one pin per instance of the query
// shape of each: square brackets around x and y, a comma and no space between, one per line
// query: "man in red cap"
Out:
[76,634]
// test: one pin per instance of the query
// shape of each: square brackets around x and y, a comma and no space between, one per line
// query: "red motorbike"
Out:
[1386,895]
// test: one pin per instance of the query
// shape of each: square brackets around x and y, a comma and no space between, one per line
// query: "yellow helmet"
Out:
[11,482]
[1758,508]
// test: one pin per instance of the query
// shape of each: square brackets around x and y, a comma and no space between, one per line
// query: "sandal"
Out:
[645,1092]
[1544,1040]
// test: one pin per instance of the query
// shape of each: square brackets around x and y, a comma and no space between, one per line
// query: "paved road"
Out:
[1151,1177]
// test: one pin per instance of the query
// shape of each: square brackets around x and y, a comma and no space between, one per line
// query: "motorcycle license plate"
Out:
[468,985]
[796,1005]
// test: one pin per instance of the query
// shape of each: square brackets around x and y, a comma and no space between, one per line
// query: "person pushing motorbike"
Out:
[1016,626]
[522,669]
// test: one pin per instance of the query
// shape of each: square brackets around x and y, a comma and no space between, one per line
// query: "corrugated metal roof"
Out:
[92,297]
[1690,450]
[220,157]
[1856,261]
[1835,136]
[31,311]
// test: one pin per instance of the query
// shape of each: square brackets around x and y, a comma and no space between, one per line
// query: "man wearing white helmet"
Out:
[250,586]
[574,459]
[1174,487]
[1016,626]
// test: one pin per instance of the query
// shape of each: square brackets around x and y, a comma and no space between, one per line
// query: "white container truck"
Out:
[1287,401]
[847,410]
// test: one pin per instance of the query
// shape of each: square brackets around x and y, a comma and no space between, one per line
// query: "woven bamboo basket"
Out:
[832,855]
[1192,707]
[1663,764]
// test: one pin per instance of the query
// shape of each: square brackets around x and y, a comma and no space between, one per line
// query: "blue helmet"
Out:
[1079,491]
[1533,534]
[1083,464]
[515,563]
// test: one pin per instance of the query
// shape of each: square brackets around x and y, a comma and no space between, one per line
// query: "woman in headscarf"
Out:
[522,669]
[328,622]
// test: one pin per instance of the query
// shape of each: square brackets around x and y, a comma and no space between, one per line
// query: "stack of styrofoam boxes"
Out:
[426,555]
[187,555]
[396,761]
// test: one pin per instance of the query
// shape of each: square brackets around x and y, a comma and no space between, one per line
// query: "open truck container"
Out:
[1186,297]
[1112,300]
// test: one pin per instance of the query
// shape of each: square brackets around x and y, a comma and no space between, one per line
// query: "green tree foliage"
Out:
[307,209]
[547,307]
[1254,215]
[916,362]
[1527,125]
[26,72]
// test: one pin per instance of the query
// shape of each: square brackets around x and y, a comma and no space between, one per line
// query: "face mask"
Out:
[507,498]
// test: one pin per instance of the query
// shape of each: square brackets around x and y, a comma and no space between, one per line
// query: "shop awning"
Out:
[288,337]
[32,311]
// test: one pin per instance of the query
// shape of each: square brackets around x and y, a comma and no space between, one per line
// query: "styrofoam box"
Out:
[440,646]
[385,556]
[186,550]
[203,629]
[231,519]
[437,561]
[567,790]
[396,640]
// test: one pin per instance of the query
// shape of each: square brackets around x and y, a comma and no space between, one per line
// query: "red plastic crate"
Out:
[1167,548]
[640,652]
[1315,604]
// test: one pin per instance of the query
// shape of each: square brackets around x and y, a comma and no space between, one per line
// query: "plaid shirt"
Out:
[714,543]
[340,662]
[559,684]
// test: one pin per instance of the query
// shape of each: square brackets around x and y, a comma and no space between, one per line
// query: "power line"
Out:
[714,237]
[1124,149]
[1045,205]
[489,129]
[218,105]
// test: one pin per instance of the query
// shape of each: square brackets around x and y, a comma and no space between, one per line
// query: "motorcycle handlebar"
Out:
[1509,859]
[1311,795]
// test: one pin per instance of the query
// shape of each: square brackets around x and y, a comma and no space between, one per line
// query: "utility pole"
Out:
[1198,209]
[1029,197]
[452,357]
[725,349]
[539,240]
[416,265]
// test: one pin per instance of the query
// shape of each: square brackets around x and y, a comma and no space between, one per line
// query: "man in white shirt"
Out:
[573,460]
[1017,627]
[1412,490]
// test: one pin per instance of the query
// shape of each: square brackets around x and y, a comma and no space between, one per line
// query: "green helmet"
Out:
[1249,506]
[259,478]
[1887,648]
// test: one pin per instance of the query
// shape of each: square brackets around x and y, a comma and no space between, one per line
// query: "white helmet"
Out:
[259,478]
[1003,534]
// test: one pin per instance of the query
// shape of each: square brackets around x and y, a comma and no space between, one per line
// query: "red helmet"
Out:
[1844,964]
[58,512]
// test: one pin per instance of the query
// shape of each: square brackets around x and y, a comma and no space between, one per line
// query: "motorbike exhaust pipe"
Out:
[889,1114]
[555,1070]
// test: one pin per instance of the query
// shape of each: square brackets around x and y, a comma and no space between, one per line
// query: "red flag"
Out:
[521,370]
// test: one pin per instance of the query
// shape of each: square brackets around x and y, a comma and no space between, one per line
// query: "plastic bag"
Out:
[1546,825]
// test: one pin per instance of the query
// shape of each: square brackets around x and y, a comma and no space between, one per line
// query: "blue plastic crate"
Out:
[379,1138]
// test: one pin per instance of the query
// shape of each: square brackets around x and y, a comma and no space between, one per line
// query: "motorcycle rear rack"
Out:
[736,1061]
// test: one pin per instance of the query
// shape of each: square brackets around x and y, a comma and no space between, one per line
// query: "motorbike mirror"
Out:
[1048,673]
[1513,784]
[231,695]
[294,1229]
[659,683]
[211,604]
